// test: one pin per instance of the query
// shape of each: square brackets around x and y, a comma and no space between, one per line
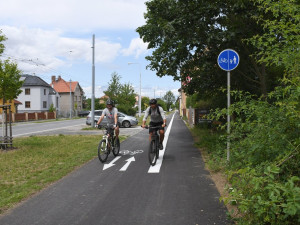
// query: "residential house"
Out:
[13,103]
[37,95]
[71,95]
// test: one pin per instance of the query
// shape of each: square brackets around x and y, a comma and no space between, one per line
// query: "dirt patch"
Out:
[221,183]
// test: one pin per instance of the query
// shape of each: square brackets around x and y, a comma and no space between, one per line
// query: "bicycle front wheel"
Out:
[116,148]
[102,151]
[152,153]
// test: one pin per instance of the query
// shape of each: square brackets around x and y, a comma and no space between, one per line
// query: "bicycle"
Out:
[153,151]
[108,143]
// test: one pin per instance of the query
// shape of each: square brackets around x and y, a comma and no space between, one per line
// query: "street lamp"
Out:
[140,97]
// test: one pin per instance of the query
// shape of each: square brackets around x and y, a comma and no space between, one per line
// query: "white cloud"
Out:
[136,47]
[38,50]
[74,14]
[98,91]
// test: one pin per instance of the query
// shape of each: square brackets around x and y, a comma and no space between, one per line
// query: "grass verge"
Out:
[39,161]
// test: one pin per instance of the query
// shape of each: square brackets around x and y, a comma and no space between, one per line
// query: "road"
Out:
[176,191]
[65,127]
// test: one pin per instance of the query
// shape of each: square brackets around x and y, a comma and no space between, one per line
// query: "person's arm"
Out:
[116,116]
[145,117]
[101,117]
[163,115]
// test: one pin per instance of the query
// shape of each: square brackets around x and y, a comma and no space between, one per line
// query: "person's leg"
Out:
[150,134]
[161,139]
[117,131]
[161,135]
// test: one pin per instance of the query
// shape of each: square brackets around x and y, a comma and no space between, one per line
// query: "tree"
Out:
[2,38]
[279,44]
[10,82]
[169,99]
[122,94]
[187,37]
[114,86]
[145,103]
[88,104]
[162,103]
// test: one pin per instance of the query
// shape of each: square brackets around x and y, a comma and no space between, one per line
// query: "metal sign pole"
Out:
[228,60]
[228,116]
[93,86]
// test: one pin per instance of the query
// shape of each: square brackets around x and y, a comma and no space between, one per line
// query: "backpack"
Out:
[157,109]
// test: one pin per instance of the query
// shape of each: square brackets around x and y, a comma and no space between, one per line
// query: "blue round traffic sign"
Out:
[228,60]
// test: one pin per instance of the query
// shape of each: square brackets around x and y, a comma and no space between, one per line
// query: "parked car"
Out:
[123,119]
[83,113]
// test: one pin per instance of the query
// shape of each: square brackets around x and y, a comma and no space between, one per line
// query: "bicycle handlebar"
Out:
[104,127]
[156,127]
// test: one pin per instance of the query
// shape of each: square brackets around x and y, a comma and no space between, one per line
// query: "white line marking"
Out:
[106,166]
[156,167]
[46,130]
[130,160]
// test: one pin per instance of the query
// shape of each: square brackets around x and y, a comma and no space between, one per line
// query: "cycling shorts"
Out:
[152,124]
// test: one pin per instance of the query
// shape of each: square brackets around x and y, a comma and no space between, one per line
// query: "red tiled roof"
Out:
[61,86]
[17,102]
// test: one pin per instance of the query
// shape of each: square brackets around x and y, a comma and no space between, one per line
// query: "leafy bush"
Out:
[52,108]
[127,110]
[264,156]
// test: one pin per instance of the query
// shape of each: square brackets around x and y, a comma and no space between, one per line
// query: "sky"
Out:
[54,37]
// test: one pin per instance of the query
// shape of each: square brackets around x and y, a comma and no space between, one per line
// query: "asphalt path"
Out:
[124,192]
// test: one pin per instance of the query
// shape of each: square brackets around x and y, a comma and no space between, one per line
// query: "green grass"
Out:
[39,161]
[90,128]
[213,149]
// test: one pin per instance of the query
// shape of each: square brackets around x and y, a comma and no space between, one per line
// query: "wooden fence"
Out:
[18,117]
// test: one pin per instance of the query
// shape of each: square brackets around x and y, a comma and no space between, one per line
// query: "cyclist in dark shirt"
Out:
[157,118]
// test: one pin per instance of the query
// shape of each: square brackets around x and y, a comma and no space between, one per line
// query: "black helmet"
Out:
[153,101]
[110,102]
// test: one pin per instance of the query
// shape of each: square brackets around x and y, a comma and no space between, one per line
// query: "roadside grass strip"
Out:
[39,161]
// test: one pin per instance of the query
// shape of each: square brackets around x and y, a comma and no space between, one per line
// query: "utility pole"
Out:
[93,84]
[140,94]
[70,99]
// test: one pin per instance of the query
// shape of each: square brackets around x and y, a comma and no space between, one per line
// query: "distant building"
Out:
[36,95]
[71,95]
[103,99]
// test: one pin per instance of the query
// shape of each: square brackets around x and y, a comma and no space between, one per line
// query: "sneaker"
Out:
[161,147]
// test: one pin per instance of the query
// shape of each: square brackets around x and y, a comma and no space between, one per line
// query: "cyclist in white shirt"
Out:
[111,114]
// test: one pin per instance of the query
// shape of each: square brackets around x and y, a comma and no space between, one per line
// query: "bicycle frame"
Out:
[154,138]
[108,137]
[108,143]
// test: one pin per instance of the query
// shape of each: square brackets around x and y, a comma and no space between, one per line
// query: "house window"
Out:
[56,102]
[44,91]
[27,104]
[27,91]
[44,104]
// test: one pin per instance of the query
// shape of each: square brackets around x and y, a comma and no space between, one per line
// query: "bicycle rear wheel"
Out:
[102,151]
[116,147]
[152,153]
